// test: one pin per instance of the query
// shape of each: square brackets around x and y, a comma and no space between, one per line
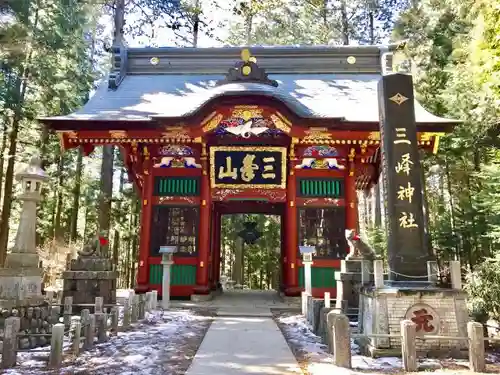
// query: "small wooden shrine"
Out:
[292,131]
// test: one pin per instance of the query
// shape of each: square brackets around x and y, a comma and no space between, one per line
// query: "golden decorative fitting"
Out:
[315,135]
[363,148]
[247,112]
[398,98]
[351,60]
[203,149]
[292,265]
[375,136]
[292,203]
[213,123]
[176,132]
[154,61]
[352,154]
[246,70]
[71,134]
[202,264]
[245,54]
[146,172]
[145,202]
[120,134]
[203,202]
[280,124]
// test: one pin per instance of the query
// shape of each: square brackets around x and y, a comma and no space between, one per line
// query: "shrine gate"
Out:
[205,132]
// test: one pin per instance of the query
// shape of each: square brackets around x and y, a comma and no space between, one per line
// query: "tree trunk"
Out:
[76,197]
[116,239]
[106,190]
[9,175]
[344,23]
[2,153]
[58,228]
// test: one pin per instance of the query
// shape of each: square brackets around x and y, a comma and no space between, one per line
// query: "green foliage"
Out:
[483,288]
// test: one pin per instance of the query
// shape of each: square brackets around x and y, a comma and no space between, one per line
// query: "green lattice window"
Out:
[176,186]
[182,274]
[321,187]
[321,277]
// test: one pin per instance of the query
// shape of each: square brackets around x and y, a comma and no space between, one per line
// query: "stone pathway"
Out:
[244,339]
[245,345]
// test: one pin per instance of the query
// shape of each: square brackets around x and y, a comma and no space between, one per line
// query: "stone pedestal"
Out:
[436,311]
[353,274]
[20,287]
[90,277]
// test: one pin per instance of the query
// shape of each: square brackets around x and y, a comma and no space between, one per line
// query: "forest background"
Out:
[53,53]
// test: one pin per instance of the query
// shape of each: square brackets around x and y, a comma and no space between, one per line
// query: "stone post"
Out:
[68,310]
[135,309]
[408,345]
[155,299]
[378,270]
[101,327]
[455,275]
[303,300]
[327,300]
[89,332]
[114,320]
[126,313]
[141,307]
[76,326]
[432,272]
[477,362]
[56,345]
[21,279]
[341,331]
[9,351]
[99,301]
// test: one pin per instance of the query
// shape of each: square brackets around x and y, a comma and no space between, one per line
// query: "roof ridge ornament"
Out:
[247,70]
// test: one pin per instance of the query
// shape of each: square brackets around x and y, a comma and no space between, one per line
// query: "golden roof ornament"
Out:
[247,70]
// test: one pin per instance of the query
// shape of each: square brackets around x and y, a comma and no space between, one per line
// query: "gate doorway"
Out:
[247,248]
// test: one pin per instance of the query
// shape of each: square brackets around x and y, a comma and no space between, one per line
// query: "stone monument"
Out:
[410,291]
[21,278]
[91,274]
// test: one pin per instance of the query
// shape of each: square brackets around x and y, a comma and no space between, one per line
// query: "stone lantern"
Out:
[22,278]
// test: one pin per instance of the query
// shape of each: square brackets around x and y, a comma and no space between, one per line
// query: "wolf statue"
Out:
[358,248]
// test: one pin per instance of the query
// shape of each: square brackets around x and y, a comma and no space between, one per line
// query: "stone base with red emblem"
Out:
[435,311]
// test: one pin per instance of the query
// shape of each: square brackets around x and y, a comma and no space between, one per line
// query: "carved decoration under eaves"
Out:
[247,121]
[175,150]
[322,151]
[247,70]
[318,135]
[118,134]
[176,162]
[327,163]
[177,133]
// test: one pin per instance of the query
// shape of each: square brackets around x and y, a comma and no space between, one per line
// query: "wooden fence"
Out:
[82,331]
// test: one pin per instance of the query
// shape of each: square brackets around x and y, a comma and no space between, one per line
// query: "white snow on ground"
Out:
[139,351]
[321,362]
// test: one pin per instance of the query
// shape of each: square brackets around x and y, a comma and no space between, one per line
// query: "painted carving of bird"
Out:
[246,130]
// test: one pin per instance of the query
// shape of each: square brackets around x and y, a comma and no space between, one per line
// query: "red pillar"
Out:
[351,199]
[145,233]
[202,269]
[216,248]
[291,233]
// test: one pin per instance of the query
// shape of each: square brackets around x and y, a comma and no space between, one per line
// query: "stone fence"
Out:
[40,326]
[338,333]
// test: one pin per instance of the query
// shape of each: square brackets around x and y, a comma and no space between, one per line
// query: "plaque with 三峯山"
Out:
[248,167]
